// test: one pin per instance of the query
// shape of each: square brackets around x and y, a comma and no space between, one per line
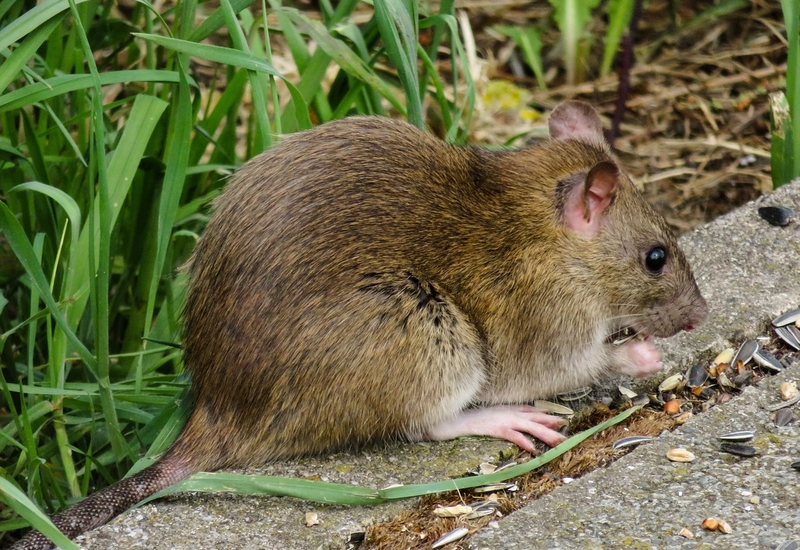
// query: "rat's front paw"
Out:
[638,358]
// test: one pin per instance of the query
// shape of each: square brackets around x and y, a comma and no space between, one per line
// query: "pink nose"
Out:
[687,328]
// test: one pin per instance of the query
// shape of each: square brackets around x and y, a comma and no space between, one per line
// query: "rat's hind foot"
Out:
[511,422]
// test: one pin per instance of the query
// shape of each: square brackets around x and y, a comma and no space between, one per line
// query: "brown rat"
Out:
[365,281]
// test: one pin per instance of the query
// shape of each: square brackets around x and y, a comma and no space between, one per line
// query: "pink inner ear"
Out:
[586,203]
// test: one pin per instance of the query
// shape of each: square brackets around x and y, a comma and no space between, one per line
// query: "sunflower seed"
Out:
[789,390]
[788,336]
[787,318]
[452,511]
[671,383]
[629,393]
[452,536]
[480,513]
[776,215]
[742,435]
[789,545]
[496,487]
[630,441]
[784,404]
[783,417]
[680,455]
[796,465]
[724,356]
[767,360]
[580,393]
[739,450]
[550,407]
[745,352]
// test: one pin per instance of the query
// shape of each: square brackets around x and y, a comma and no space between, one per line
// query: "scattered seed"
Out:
[486,468]
[452,536]
[575,395]
[631,441]
[696,376]
[554,408]
[710,524]
[741,435]
[685,533]
[312,519]
[745,352]
[630,394]
[724,527]
[787,318]
[788,336]
[680,455]
[788,390]
[784,404]
[724,356]
[767,360]
[783,417]
[776,215]
[671,383]
[641,399]
[738,450]
[796,465]
[478,514]
[743,378]
[496,487]
[452,511]
[508,464]
[789,545]
[683,417]
[673,406]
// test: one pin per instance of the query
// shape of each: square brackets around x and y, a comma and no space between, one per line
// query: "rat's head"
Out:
[628,252]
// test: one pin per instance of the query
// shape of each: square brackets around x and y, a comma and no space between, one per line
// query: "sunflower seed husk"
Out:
[671,382]
[783,417]
[745,352]
[696,376]
[485,504]
[787,318]
[621,336]
[452,536]
[480,513]
[741,435]
[723,379]
[680,455]
[575,395]
[452,511]
[776,215]
[554,408]
[742,379]
[788,336]
[627,392]
[784,404]
[496,487]
[789,545]
[724,527]
[724,356]
[630,441]
[767,360]
[737,449]
[789,391]
[685,533]
[796,465]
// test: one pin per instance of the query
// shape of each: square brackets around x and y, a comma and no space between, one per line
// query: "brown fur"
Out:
[365,281]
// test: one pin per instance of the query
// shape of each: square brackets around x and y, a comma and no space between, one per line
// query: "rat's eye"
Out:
[655,260]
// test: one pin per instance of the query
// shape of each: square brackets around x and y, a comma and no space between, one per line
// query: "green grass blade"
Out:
[236,58]
[27,257]
[21,504]
[22,54]
[619,16]
[781,128]
[31,20]
[60,85]
[397,22]
[529,41]
[334,493]
[791,15]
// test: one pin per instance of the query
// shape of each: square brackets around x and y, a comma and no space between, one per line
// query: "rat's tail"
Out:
[104,505]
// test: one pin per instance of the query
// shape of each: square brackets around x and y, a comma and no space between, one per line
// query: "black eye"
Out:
[655,260]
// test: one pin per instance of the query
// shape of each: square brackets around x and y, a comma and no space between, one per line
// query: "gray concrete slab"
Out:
[748,270]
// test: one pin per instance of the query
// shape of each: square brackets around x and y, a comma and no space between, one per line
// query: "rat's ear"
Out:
[586,203]
[575,120]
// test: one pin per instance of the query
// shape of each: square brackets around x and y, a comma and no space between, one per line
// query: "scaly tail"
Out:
[104,505]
